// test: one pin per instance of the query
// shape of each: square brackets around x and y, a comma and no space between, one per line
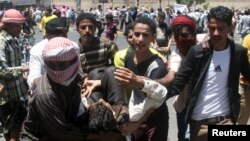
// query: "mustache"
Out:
[215,37]
[88,36]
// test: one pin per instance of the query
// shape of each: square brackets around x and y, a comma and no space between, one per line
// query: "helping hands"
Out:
[89,86]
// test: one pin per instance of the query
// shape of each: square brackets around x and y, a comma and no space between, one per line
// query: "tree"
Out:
[205,6]
[186,2]
[200,1]
[190,2]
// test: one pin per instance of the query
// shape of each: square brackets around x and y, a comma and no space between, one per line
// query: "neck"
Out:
[86,44]
[221,46]
[142,56]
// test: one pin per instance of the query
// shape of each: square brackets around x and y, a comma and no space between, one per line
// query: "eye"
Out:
[137,34]
[87,26]
[184,35]
[130,37]
[145,34]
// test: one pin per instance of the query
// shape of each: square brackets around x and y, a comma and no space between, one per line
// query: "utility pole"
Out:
[78,5]
[51,3]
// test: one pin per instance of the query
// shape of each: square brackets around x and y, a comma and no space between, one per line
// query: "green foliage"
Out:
[187,2]
[190,2]
[200,1]
[205,6]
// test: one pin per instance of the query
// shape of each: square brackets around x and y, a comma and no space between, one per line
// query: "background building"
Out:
[86,4]
[5,4]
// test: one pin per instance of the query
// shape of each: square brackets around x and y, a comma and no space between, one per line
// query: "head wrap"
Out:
[184,20]
[184,44]
[12,16]
[61,49]
[57,26]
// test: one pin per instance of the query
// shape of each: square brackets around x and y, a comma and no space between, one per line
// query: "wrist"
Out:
[140,83]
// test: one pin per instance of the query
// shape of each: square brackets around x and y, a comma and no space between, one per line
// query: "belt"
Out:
[214,119]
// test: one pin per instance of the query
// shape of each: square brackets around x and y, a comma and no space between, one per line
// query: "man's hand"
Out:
[25,68]
[131,126]
[127,78]
[90,85]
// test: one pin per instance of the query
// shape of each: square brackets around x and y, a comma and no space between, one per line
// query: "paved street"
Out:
[121,42]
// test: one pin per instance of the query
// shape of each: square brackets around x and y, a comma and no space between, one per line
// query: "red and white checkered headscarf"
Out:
[61,49]
[12,16]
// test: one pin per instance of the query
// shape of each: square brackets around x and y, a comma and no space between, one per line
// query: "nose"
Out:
[87,29]
[216,32]
[141,38]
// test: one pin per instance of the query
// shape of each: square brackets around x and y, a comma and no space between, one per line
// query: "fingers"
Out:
[85,92]
[122,76]
[205,42]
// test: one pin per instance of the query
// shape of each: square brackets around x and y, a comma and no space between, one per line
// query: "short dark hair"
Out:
[221,13]
[48,9]
[161,14]
[83,16]
[146,20]
[129,27]
[57,26]
[101,118]
[109,17]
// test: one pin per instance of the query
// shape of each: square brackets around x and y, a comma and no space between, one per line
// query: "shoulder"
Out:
[239,47]
[157,67]
[42,90]
[122,52]
[5,38]
[119,58]
[104,40]
[159,62]
[197,50]
[38,47]
[155,62]
[106,43]
[2,40]
[154,51]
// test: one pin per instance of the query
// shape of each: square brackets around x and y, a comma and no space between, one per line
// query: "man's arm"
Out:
[5,70]
[152,88]
[184,73]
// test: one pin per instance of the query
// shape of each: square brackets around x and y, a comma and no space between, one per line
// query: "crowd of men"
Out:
[58,89]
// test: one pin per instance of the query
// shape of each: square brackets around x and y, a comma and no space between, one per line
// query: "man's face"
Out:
[14,28]
[218,32]
[86,30]
[142,37]
[130,37]
[185,38]
[160,19]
